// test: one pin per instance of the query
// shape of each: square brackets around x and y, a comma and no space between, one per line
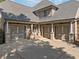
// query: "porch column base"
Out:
[71,37]
[63,37]
[7,38]
[39,34]
[52,36]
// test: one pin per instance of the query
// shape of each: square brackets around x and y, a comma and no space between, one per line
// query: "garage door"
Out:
[13,32]
[62,31]
[21,32]
[58,31]
[17,32]
[46,30]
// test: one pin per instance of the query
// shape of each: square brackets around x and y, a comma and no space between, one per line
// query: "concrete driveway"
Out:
[56,49]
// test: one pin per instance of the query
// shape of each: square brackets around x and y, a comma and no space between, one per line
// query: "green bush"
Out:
[2,0]
[2,36]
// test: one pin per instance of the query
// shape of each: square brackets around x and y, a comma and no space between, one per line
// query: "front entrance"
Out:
[62,31]
[17,31]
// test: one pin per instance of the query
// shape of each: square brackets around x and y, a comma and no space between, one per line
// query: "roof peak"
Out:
[8,0]
[73,0]
[43,4]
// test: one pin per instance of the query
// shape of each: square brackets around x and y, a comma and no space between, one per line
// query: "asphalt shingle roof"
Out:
[67,10]
[43,4]
[14,10]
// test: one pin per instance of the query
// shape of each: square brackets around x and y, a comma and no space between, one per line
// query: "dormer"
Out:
[44,9]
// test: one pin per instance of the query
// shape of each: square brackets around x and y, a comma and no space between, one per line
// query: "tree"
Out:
[2,0]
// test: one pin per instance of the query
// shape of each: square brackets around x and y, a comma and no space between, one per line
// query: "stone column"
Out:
[52,32]
[7,28]
[71,27]
[32,34]
[17,37]
[63,35]
[71,34]
[75,29]
[26,32]
[32,28]
[39,33]
[7,34]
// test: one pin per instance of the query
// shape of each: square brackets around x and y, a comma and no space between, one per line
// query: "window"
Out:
[45,13]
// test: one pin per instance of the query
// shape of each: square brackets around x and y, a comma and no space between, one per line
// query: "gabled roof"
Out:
[67,10]
[13,8]
[43,4]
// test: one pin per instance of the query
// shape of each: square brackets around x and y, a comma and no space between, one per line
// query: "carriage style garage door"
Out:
[17,32]
[62,31]
[46,30]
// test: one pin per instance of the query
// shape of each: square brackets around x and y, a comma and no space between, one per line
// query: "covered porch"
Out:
[65,30]
[56,30]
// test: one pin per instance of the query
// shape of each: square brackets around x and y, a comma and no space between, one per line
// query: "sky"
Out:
[32,3]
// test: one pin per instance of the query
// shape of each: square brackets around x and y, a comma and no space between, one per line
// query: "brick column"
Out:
[52,32]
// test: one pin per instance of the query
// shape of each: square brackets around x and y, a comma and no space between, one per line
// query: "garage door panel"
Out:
[58,31]
[46,30]
[17,32]
[61,31]
[21,32]
[13,32]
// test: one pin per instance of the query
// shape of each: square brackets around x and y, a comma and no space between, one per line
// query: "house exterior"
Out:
[59,22]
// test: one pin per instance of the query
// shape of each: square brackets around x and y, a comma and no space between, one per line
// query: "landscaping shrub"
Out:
[2,36]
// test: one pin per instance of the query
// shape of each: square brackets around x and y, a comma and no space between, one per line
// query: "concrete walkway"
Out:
[70,49]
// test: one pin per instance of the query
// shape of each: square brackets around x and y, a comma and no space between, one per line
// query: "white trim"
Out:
[17,29]
[52,28]
[52,32]
[71,28]
[7,27]
[53,11]
[39,31]
[32,28]
[76,30]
